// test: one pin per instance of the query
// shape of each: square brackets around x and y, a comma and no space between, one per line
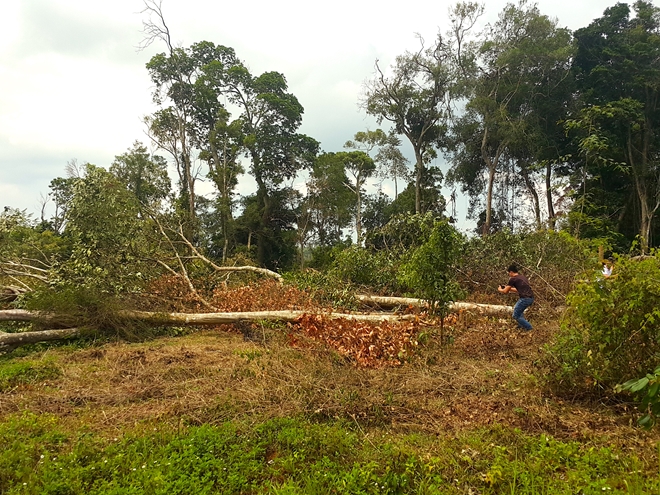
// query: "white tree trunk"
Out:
[454,307]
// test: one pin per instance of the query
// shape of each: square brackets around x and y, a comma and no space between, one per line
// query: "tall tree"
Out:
[360,167]
[143,174]
[416,97]
[516,92]
[329,201]
[270,117]
[618,72]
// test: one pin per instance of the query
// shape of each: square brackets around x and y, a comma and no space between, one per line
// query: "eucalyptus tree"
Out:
[618,72]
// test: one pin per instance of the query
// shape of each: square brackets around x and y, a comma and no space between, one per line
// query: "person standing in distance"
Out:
[519,284]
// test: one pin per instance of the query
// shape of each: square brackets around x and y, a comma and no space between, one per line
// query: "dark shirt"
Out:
[521,285]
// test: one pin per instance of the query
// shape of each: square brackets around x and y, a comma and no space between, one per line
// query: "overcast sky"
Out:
[74,86]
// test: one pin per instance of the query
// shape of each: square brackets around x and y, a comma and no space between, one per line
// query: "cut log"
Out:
[454,307]
[25,315]
[201,318]
[10,341]
[227,318]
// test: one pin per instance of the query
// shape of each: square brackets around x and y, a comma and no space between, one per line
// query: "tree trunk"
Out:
[524,171]
[454,307]
[10,341]
[419,164]
[201,318]
[548,195]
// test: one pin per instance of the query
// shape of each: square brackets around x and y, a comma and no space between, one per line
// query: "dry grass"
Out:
[486,376]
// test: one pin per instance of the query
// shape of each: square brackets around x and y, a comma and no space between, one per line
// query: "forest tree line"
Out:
[543,128]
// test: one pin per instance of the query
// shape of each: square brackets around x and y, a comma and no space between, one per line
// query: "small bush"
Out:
[366,269]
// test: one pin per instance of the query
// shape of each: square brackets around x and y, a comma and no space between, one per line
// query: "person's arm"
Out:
[505,289]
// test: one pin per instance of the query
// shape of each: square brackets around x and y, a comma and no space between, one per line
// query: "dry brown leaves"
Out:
[368,345]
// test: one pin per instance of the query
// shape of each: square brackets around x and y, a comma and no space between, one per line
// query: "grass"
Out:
[217,412]
[295,456]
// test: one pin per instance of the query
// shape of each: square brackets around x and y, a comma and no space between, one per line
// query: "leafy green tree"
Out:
[270,118]
[392,164]
[518,74]
[329,201]
[431,198]
[617,127]
[143,174]
[109,250]
[360,166]
[430,271]
[61,192]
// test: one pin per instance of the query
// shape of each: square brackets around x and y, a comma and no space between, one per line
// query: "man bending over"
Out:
[519,284]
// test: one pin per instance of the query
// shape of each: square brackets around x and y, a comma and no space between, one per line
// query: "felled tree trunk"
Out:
[10,341]
[454,307]
[228,318]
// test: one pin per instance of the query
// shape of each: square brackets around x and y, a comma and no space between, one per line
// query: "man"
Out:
[519,284]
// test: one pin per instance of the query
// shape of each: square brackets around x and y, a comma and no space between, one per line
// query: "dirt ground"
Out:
[487,375]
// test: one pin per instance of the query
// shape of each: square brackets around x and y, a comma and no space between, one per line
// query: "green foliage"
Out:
[645,389]
[324,288]
[143,174]
[403,232]
[89,307]
[361,267]
[615,126]
[27,251]
[429,271]
[611,331]
[107,235]
[294,456]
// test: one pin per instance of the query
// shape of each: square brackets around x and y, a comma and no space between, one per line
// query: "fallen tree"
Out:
[454,307]
[9,341]
[13,340]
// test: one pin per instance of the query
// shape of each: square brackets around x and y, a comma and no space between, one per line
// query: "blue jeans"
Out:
[518,310]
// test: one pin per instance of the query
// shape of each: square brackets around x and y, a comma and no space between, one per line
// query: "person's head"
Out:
[513,268]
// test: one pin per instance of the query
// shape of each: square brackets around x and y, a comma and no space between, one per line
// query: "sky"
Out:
[73,84]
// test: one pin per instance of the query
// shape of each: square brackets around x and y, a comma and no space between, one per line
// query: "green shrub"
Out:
[611,330]
[324,288]
[429,272]
[646,391]
[366,269]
